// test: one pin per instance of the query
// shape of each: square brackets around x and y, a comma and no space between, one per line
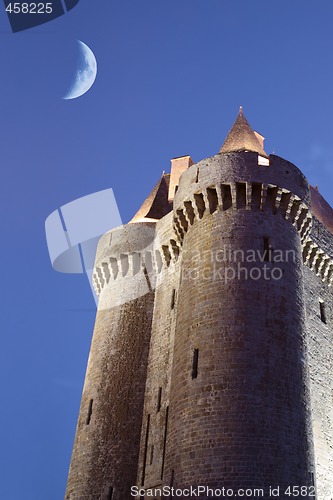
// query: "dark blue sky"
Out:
[171,77]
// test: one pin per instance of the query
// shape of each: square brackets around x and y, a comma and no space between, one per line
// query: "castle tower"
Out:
[208,355]
[108,431]
[239,412]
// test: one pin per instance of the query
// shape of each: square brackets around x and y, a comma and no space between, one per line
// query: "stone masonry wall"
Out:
[105,453]
[242,421]
[157,394]
[106,449]
[232,419]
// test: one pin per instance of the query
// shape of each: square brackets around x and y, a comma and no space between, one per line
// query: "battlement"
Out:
[215,185]
[243,195]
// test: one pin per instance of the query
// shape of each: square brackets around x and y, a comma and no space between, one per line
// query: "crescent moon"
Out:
[85,75]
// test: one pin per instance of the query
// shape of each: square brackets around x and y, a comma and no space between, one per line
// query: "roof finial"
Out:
[242,138]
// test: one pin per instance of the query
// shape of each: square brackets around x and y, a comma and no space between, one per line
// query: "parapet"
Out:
[244,167]
[238,181]
[123,259]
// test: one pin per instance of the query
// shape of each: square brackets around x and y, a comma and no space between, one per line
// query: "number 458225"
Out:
[29,8]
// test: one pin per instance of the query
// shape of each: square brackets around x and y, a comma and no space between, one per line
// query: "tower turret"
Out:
[239,414]
[235,409]
[105,455]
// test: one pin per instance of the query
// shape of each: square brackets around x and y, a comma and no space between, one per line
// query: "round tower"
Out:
[106,447]
[238,403]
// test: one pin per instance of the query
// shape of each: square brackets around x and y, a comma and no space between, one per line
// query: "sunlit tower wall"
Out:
[318,281]
[105,453]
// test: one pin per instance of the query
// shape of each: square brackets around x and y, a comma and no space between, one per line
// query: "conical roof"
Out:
[243,138]
[156,205]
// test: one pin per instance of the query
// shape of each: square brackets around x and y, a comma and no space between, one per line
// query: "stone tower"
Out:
[212,355]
